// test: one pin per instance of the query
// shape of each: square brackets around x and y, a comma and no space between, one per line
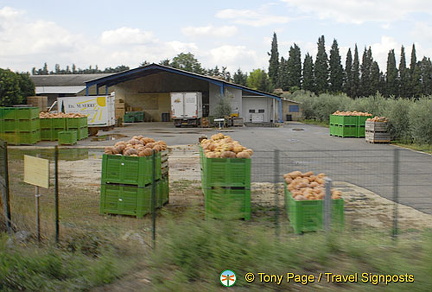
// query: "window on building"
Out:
[294,108]
[261,111]
[251,111]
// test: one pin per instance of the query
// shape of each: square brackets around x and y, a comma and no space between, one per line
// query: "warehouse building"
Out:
[148,88]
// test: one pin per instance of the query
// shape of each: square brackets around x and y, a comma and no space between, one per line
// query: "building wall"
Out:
[258,104]
[286,113]
[235,96]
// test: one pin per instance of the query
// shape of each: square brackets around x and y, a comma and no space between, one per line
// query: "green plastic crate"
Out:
[28,125]
[361,120]
[59,123]
[46,123]
[125,200]
[47,135]
[132,170]
[227,203]
[307,215]
[82,133]
[129,117]
[76,123]
[67,137]
[226,172]
[162,192]
[343,120]
[139,116]
[8,125]
[346,131]
[21,138]
[19,113]
[361,132]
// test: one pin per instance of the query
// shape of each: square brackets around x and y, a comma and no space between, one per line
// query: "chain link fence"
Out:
[384,191]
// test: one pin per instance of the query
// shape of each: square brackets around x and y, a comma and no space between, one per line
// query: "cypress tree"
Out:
[376,78]
[365,73]
[404,78]
[336,69]
[308,74]
[414,73]
[294,67]
[356,74]
[321,68]
[348,76]
[283,74]
[391,75]
[273,70]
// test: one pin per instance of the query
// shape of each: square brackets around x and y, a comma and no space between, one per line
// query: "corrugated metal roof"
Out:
[59,89]
[65,79]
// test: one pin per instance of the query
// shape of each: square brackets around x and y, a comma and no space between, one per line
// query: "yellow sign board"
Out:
[36,171]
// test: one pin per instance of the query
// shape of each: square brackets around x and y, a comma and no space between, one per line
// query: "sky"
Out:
[233,34]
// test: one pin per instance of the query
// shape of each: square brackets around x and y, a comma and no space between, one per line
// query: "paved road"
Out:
[307,147]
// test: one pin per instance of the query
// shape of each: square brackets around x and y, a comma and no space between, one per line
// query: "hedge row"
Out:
[410,120]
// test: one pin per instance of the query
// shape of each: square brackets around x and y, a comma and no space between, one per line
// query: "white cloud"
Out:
[360,11]
[234,57]
[250,17]
[210,31]
[126,36]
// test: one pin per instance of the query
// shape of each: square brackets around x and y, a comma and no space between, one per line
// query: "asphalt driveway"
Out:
[376,167]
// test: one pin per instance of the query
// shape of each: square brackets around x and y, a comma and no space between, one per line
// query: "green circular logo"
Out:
[228,278]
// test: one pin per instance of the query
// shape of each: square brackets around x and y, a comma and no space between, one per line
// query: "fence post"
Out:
[153,198]
[5,188]
[276,194]
[56,195]
[327,204]
[395,230]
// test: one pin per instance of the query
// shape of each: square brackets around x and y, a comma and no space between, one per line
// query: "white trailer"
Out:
[186,108]
[100,110]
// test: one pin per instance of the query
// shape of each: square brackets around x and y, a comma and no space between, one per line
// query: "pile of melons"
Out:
[221,146]
[46,115]
[137,146]
[378,119]
[353,113]
[307,186]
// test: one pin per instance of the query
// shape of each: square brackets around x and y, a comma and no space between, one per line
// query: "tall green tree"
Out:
[308,82]
[426,76]
[294,67]
[404,78]
[239,77]
[391,75]
[414,73]
[283,74]
[259,80]
[356,74]
[377,78]
[10,91]
[336,69]
[187,62]
[273,69]
[27,87]
[365,73]
[348,76]
[321,68]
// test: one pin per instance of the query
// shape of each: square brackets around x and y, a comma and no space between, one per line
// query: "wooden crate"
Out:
[377,137]
[376,126]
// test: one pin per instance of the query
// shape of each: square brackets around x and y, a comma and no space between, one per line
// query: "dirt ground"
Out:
[363,208]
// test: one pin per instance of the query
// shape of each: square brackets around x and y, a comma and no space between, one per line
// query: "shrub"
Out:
[420,116]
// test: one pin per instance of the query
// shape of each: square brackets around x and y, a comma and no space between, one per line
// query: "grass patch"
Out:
[315,122]
[193,253]
[33,268]
[416,147]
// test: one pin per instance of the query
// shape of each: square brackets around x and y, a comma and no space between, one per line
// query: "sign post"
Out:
[36,172]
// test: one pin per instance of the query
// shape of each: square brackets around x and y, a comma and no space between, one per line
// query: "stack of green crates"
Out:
[347,126]
[308,215]
[133,117]
[51,127]
[226,183]
[127,182]
[20,125]
[79,125]
[129,117]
